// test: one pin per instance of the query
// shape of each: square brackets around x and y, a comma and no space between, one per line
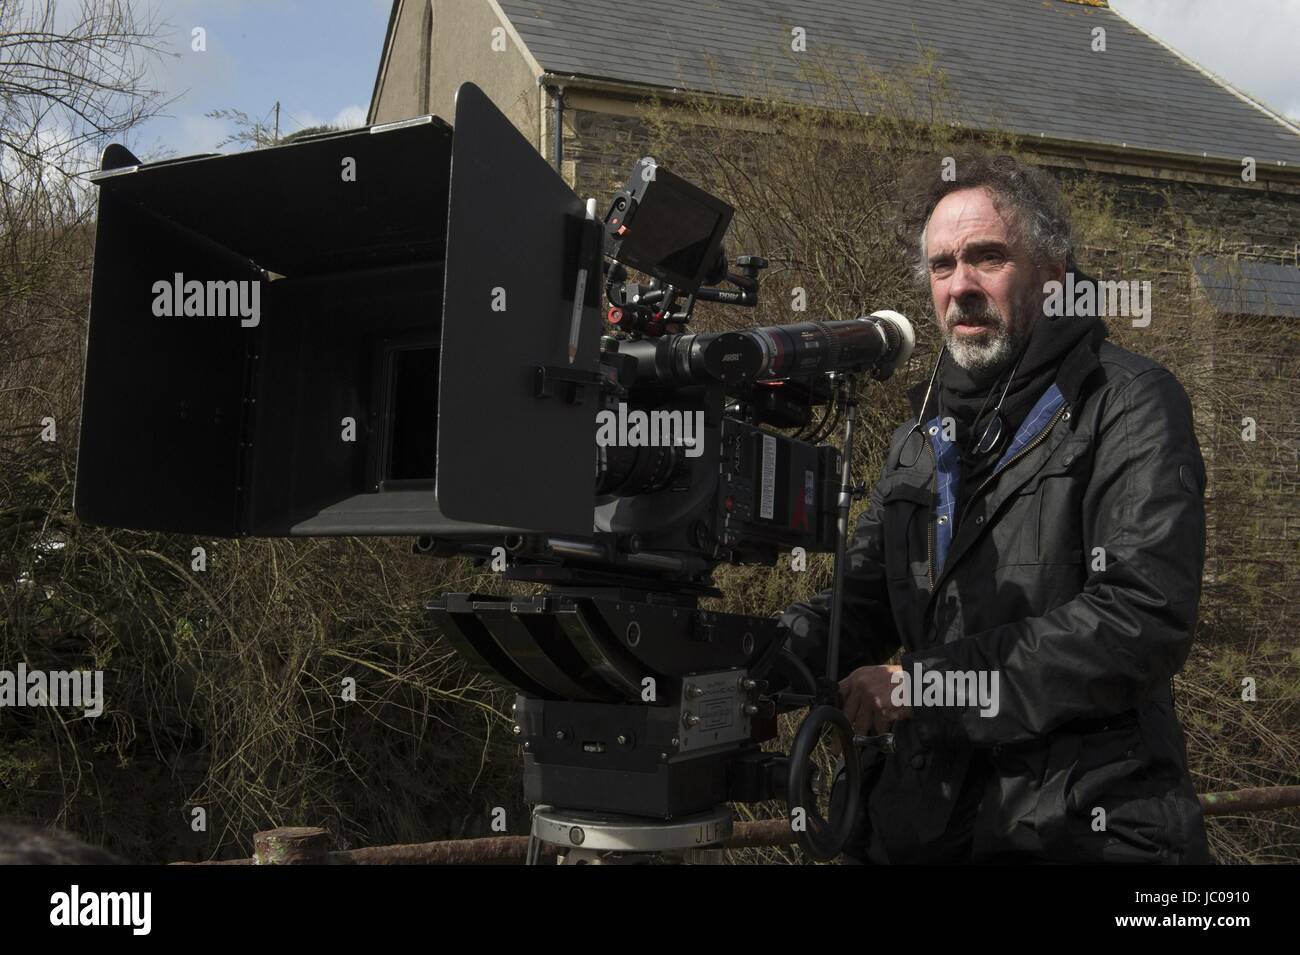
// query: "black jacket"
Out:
[1075,574]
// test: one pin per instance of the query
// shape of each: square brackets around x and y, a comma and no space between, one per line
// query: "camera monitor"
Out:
[666,227]
[342,335]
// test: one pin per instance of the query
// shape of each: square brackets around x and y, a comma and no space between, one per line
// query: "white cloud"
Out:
[302,119]
[191,133]
[350,117]
[199,134]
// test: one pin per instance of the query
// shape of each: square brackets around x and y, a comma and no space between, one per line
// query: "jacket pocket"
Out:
[1059,531]
[1060,488]
[1098,801]
[906,514]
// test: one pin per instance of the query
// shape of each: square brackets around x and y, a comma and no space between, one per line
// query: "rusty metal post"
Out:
[493,850]
[295,845]
[1250,800]
[305,846]
[764,832]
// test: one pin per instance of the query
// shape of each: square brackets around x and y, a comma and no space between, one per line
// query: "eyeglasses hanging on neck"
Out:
[990,437]
[910,446]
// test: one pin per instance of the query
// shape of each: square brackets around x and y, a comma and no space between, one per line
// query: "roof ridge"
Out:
[1205,71]
[1121,105]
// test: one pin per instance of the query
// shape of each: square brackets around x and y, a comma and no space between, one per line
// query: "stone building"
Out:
[1087,93]
[1117,103]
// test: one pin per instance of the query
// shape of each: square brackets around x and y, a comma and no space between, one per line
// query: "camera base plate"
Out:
[607,838]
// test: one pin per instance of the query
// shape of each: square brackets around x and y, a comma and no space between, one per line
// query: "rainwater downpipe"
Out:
[557,100]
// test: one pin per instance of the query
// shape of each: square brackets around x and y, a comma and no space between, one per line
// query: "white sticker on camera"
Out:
[765,510]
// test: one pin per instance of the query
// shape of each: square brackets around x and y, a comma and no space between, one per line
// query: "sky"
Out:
[1250,43]
[318,58]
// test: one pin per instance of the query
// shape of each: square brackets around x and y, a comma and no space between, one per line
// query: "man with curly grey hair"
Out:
[1034,548]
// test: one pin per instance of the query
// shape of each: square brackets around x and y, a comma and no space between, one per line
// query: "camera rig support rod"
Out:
[847,493]
[826,835]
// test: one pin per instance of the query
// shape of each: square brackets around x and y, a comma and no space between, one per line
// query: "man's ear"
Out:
[1054,272]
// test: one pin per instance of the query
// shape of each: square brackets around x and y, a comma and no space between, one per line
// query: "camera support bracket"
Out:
[569,383]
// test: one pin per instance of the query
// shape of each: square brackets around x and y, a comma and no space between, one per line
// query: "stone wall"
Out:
[1242,373]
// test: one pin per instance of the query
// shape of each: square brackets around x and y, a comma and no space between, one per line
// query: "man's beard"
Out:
[988,353]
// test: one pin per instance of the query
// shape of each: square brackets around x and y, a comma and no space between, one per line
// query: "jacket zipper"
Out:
[934,490]
[1038,439]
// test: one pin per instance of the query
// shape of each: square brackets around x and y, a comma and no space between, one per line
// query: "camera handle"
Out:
[823,837]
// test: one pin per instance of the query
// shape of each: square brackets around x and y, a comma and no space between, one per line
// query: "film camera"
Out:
[437,295]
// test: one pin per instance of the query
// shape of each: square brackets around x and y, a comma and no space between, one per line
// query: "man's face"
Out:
[987,291]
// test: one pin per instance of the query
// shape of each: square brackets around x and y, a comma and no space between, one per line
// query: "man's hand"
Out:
[866,694]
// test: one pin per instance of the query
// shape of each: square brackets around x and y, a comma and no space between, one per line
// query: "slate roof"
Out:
[1249,288]
[1022,65]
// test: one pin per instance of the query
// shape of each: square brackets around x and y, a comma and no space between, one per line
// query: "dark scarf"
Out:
[1055,352]
[1060,350]
[962,395]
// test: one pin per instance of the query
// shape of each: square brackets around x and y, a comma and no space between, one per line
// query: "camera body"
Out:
[422,348]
